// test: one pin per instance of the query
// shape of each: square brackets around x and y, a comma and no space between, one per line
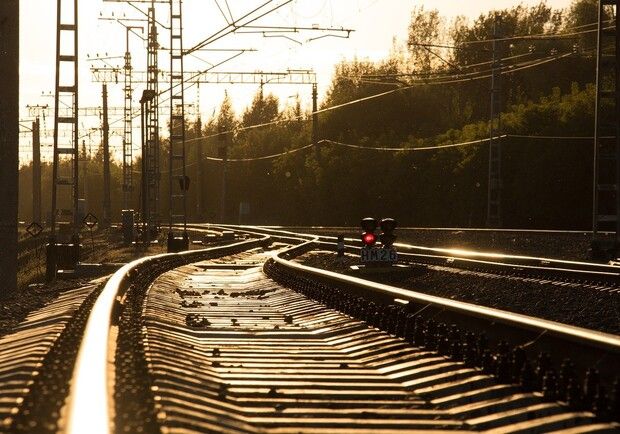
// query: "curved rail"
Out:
[587,347]
[88,406]
[469,258]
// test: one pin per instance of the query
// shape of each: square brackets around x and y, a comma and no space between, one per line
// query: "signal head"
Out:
[388,225]
[369,224]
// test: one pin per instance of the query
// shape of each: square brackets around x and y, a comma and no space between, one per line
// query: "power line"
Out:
[412,149]
[391,91]
[390,149]
[250,159]
[232,27]
[222,12]
[536,36]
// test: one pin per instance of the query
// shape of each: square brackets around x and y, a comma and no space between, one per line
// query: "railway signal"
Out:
[382,256]
[369,225]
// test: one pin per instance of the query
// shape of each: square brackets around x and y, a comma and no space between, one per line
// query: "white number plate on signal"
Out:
[379,255]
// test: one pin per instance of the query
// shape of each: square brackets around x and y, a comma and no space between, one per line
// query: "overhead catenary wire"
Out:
[390,149]
[447,79]
[378,148]
[460,45]
[232,27]
[248,159]
[412,149]
[538,35]
[346,145]
[435,74]
[427,82]
[455,80]
[222,12]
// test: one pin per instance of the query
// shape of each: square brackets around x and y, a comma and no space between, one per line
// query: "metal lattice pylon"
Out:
[177,170]
[127,132]
[65,173]
[606,141]
[150,152]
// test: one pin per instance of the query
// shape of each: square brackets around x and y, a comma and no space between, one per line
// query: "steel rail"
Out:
[572,333]
[250,230]
[88,405]
[588,347]
[548,268]
[518,259]
[530,262]
[444,229]
[467,259]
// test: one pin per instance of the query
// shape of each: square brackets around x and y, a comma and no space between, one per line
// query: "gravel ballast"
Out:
[557,301]
[550,244]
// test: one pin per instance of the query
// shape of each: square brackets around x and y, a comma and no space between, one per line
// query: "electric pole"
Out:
[223,154]
[9,142]
[197,171]
[65,93]
[606,183]
[149,104]
[315,120]
[494,199]
[107,218]
[128,125]
[36,170]
[177,193]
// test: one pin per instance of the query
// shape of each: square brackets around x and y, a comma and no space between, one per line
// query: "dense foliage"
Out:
[440,84]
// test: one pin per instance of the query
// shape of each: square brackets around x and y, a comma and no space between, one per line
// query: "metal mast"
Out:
[494,200]
[150,156]
[177,171]
[127,131]
[65,186]
[606,200]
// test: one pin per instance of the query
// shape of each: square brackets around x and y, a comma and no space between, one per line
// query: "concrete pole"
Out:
[197,172]
[494,193]
[223,197]
[9,142]
[224,155]
[107,217]
[36,171]
[315,121]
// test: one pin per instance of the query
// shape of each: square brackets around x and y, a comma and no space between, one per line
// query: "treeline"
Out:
[439,86]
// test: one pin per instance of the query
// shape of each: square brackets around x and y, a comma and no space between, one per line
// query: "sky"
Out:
[376,23]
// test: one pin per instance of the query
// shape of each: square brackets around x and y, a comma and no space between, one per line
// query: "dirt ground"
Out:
[105,246]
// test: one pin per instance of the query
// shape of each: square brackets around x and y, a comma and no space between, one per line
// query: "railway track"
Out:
[239,338]
[528,266]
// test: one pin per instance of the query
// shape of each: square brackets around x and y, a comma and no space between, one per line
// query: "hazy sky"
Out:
[376,23]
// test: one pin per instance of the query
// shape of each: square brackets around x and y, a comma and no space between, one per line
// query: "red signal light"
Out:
[369,238]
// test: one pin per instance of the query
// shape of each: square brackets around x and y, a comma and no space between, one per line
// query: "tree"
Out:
[262,110]
[226,119]
[426,28]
